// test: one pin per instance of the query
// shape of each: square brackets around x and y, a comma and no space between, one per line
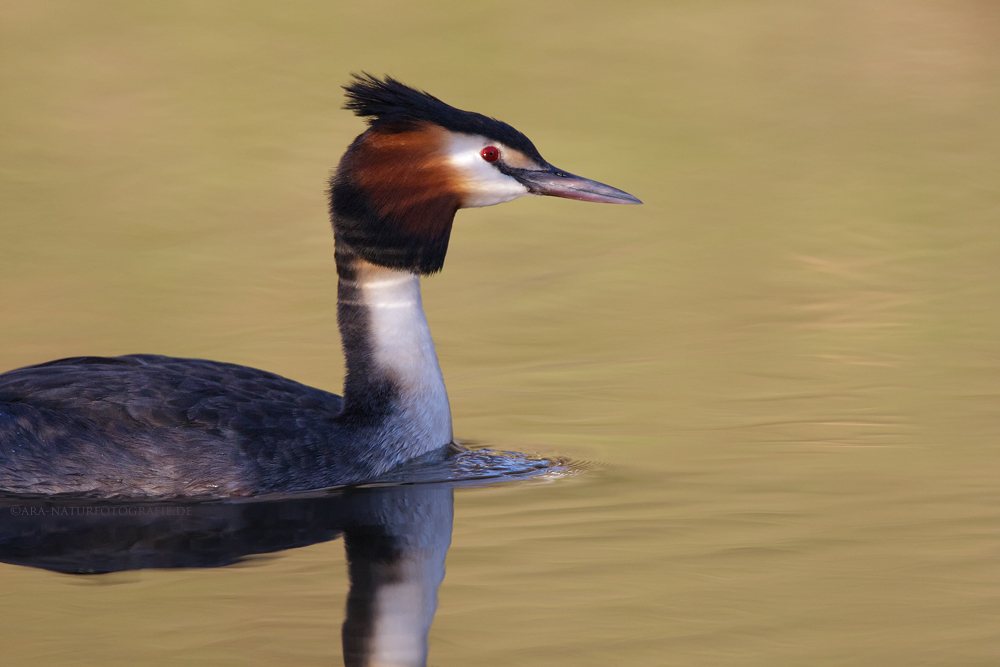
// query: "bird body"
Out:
[159,427]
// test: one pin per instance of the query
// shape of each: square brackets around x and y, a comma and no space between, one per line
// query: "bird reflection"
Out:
[396,539]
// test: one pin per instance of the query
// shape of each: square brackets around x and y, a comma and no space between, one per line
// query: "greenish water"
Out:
[785,367]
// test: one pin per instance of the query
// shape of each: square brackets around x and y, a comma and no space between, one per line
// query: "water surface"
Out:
[785,366]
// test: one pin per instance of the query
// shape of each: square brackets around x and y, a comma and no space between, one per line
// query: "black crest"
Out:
[383,101]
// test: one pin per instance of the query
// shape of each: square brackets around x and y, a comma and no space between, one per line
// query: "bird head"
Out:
[395,193]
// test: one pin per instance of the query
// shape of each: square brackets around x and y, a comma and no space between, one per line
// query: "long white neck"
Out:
[393,376]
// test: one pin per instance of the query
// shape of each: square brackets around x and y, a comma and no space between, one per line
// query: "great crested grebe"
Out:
[154,426]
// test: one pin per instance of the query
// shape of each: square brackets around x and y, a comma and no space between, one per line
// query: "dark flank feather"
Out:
[160,426]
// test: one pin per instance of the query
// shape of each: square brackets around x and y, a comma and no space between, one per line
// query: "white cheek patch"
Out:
[482,184]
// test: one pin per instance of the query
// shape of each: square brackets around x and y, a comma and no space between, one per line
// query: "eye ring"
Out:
[490,153]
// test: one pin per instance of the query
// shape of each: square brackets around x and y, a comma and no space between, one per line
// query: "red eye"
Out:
[490,153]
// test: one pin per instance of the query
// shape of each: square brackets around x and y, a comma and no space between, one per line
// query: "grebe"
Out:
[160,427]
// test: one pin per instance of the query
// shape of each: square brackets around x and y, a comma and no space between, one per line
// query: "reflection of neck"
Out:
[394,384]
[396,564]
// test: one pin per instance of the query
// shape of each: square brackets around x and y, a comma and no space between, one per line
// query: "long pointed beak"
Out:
[557,183]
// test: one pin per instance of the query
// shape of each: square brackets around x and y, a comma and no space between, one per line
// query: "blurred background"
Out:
[783,369]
